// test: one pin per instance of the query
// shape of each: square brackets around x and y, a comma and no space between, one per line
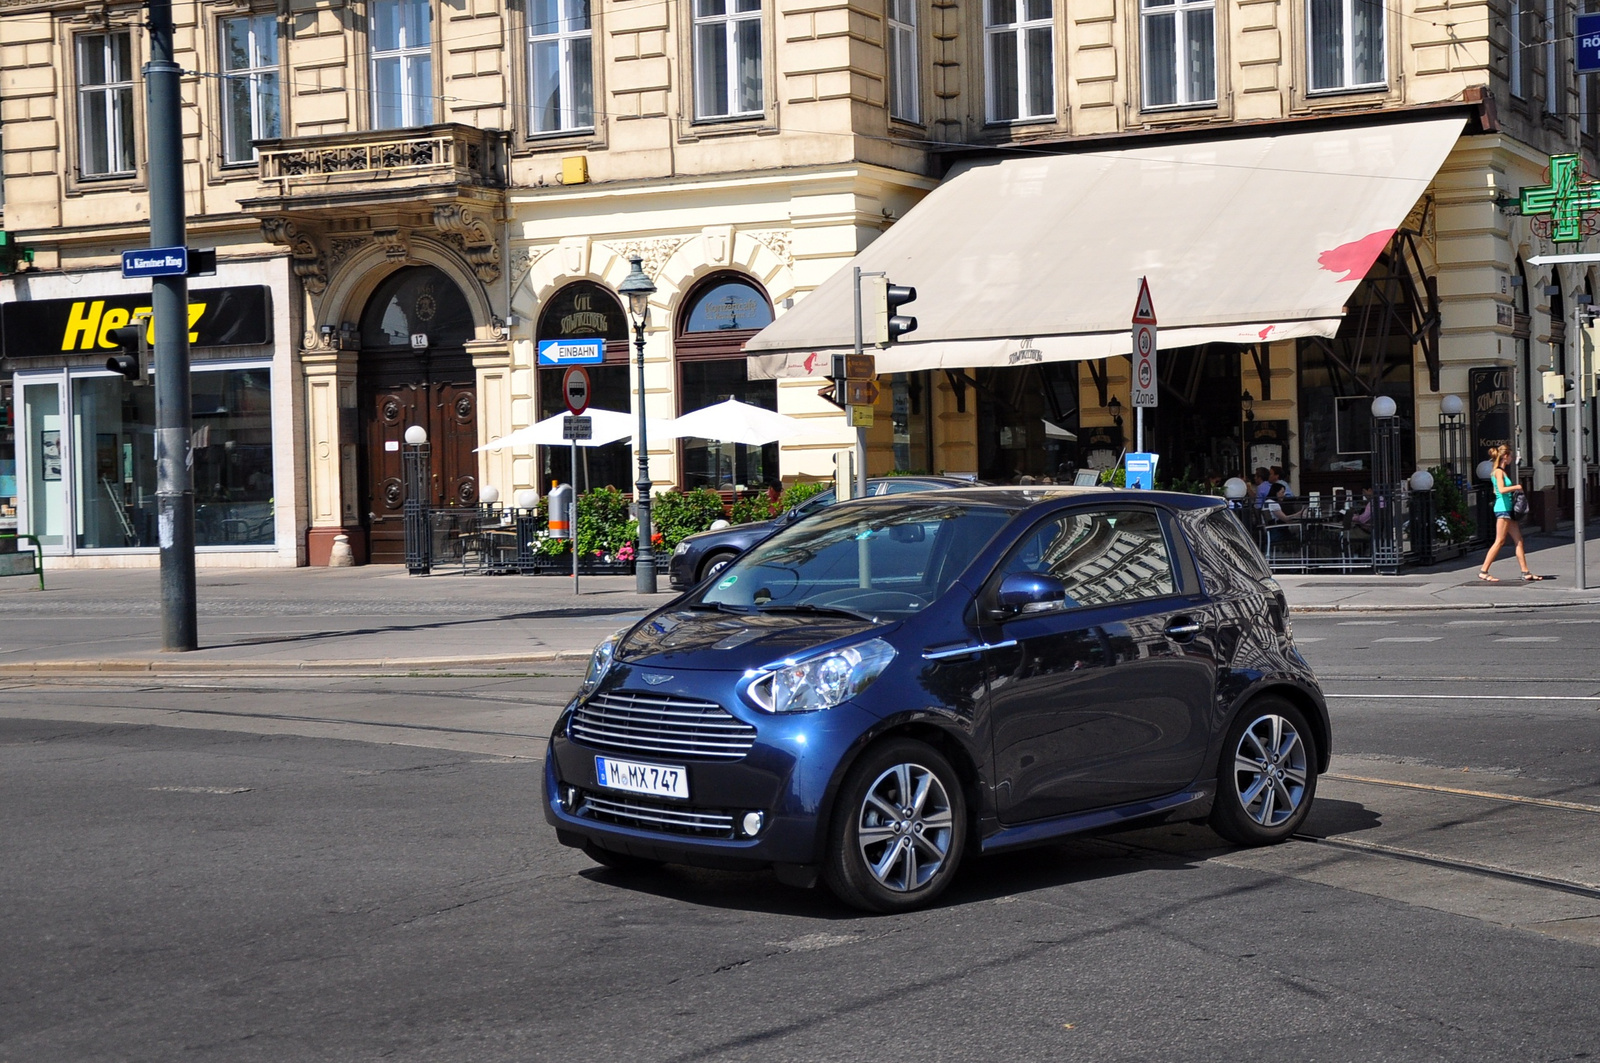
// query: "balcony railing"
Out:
[449,154]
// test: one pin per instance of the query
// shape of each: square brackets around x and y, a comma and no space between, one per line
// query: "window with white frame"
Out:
[1552,98]
[727,58]
[560,66]
[1346,45]
[250,99]
[904,102]
[1515,73]
[105,104]
[401,46]
[1179,61]
[1019,53]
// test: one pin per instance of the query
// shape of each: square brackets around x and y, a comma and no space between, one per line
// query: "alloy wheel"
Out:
[905,826]
[1269,770]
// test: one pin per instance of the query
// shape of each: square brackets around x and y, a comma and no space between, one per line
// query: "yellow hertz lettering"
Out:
[89,324]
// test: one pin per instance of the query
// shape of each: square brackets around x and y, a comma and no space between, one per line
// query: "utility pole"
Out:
[169,302]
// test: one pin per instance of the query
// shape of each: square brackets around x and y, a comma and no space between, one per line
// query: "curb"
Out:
[382,666]
[1434,607]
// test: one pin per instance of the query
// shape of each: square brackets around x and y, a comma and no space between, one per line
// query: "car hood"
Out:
[751,531]
[696,638]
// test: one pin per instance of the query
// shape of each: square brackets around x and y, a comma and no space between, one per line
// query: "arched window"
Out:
[720,314]
[418,300]
[584,310]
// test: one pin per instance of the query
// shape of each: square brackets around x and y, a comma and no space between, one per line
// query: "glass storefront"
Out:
[1027,423]
[718,317]
[610,465]
[86,450]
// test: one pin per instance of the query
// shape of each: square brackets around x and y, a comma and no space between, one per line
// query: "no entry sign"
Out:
[575,388]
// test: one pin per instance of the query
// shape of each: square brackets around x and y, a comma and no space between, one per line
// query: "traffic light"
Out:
[888,325]
[14,257]
[134,356]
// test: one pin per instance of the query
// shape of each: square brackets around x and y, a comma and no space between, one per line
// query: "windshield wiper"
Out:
[716,607]
[821,610]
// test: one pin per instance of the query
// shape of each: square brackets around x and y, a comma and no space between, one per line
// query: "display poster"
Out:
[1490,410]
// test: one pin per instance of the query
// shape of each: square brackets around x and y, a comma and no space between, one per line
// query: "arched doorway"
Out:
[584,310]
[720,314]
[414,370]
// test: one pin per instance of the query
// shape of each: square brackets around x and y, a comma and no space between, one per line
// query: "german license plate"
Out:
[658,780]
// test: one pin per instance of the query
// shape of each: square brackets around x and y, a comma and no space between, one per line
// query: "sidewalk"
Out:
[378,619]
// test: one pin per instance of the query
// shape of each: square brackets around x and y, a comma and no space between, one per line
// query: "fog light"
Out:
[751,824]
[572,799]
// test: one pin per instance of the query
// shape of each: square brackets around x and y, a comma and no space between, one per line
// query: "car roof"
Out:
[1024,496]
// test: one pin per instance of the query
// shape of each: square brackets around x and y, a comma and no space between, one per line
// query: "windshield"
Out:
[874,560]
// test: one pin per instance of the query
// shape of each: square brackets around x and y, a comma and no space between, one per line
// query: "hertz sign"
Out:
[220,317]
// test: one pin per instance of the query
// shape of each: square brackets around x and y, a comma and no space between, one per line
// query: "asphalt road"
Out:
[335,868]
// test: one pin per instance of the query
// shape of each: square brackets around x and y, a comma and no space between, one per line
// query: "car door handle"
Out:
[1182,629]
[965,651]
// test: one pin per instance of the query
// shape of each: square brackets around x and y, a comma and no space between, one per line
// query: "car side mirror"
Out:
[1028,592]
[907,533]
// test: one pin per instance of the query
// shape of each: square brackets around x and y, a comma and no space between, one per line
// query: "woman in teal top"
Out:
[1505,524]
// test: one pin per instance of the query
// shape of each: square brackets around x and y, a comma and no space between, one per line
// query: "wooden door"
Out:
[441,397]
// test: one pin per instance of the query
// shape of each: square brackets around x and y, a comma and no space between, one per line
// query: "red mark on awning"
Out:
[1263,332]
[1355,258]
[811,361]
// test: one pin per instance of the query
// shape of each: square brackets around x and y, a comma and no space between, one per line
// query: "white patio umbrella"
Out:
[739,422]
[607,426]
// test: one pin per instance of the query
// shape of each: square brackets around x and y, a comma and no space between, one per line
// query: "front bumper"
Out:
[680,569]
[787,776]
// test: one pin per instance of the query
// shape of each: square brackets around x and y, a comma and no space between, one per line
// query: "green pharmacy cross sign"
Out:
[1570,199]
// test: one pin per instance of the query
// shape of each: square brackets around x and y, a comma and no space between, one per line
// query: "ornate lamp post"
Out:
[637,289]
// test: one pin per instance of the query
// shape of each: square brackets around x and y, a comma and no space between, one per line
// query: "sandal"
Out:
[1529,577]
[1488,578]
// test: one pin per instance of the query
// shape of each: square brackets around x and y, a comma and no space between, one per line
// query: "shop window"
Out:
[1346,45]
[401,54]
[419,300]
[105,104]
[251,105]
[588,311]
[1179,60]
[1019,62]
[720,315]
[727,58]
[560,66]
[901,17]
[912,421]
[1027,422]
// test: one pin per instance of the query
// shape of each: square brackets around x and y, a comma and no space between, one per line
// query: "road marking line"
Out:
[1367,623]
[1530,638]
[1472,697]
[1314,638]
[1544,802]
[1567,885]
[1409,638]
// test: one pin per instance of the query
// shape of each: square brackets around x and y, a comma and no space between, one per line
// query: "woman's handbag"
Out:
[1519,505]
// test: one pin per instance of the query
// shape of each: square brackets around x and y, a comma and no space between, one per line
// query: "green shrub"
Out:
[795,494]
[602,521]
[1449,507]
[676,514]
[752,508]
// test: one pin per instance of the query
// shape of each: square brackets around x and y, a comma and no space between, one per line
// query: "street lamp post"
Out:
[637,289]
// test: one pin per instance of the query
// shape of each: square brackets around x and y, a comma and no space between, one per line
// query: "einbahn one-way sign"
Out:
[1144,348]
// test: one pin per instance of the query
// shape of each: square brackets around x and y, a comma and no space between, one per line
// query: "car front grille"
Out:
[643,813]
[660,725]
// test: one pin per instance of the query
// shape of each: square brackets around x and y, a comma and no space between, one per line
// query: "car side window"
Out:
[1103,556]
[901,487]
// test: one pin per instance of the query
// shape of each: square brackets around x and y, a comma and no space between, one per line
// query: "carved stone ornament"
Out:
[654,252]
[777,241]
[478,244]
[341,248]
[396,243]
[307,261]
[522,262]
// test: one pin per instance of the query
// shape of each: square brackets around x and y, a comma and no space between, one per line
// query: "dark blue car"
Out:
[871,694]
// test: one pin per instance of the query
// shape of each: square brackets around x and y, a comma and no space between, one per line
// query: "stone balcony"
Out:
[382,185]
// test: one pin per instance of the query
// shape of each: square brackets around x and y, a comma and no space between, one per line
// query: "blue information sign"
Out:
[572,352]
[1141,470]
[156,262]
[1588,50]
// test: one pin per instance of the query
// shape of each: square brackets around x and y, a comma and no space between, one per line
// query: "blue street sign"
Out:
[156,262]
[571,352]
[1588,51]
[1141,470]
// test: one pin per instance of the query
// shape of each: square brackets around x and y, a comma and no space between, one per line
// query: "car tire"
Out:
[886,853]
[717,562]
[619,861]
[1267,776]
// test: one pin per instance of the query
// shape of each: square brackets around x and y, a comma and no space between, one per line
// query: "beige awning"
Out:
[1038,257]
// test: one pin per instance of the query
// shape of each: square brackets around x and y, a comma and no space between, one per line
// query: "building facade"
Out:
[408,196]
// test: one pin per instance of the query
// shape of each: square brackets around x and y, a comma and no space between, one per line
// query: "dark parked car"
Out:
[870,695]
[704,553]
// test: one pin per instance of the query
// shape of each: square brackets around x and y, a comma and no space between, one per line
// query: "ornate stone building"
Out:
[409,196]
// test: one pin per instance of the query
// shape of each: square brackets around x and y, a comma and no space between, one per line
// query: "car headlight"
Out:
[600,662]
[821,682]
[683,548]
